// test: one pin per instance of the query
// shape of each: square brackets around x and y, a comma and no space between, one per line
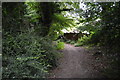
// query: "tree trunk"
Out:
[46,12]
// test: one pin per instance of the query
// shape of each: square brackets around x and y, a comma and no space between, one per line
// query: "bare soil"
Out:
[77,62]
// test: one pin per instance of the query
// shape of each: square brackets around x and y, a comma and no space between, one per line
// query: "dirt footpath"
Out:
[75,63]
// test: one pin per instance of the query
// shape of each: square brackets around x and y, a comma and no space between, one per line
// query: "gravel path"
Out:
[75,63]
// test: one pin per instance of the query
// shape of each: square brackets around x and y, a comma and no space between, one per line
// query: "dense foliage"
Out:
[102,21]
[29,29]
[27,55]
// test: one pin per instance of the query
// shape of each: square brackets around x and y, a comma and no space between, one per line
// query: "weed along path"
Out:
[75,63]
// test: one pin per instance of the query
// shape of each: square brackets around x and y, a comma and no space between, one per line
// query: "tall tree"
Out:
[47,11]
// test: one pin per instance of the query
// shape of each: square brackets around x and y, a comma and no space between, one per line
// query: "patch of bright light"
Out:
[82,6]
[70,30]
[98,19]
[86,32]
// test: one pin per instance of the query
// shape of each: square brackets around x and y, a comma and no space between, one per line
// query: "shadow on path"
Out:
[75,63]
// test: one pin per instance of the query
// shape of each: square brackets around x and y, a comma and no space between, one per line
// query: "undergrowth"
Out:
[27,55]
[59,45]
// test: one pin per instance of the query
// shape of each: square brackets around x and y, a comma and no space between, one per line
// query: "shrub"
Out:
[68,41]
[83,40]
[27,55]
[60,45]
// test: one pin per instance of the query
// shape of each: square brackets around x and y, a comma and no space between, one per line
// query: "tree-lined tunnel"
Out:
[32,47]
